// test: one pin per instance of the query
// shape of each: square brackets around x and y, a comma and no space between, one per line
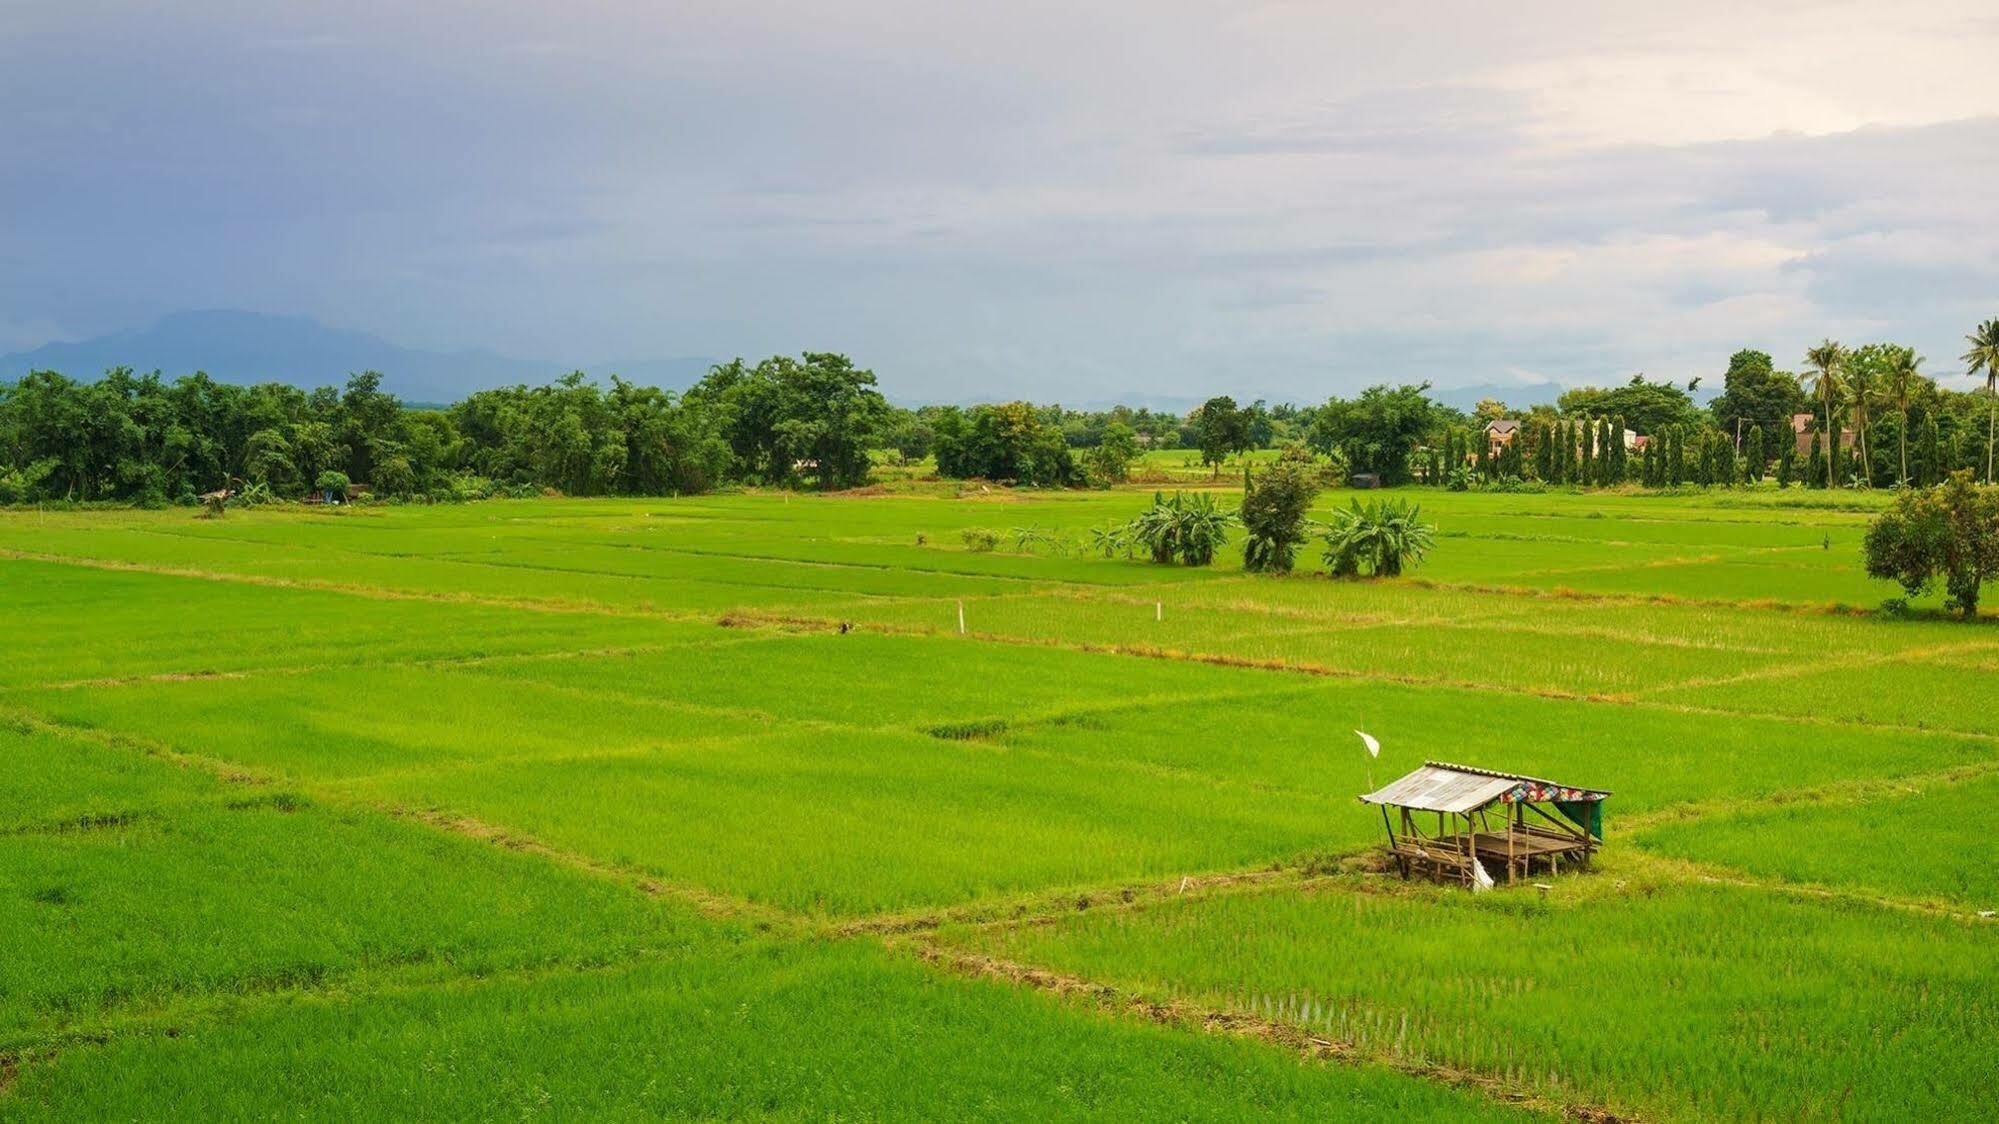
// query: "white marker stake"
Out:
[961,618]
[1159,610]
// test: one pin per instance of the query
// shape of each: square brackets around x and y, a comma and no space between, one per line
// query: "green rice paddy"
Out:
[709,808]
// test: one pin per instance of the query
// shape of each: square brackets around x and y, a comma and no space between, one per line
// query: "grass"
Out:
[1913,840]
[787,1033]
[329,725]
[615,808]
[1682,1002]
[47,782]
[848,823]
[271,892]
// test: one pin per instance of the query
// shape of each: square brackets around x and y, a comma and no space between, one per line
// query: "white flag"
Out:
[1367,739]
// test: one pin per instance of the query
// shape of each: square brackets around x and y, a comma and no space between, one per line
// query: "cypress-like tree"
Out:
[1929,454]
[1724,461]
[1648,464]
[1756,461]
[1815,465]
[1619,457]
[1676,457]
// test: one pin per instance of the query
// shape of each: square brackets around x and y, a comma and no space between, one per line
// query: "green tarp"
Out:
[1585,814]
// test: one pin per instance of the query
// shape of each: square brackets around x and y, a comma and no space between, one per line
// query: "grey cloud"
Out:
[1278,199]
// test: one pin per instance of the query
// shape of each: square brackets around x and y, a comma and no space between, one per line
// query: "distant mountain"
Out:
[245,347]
[674,374]
[1519,395]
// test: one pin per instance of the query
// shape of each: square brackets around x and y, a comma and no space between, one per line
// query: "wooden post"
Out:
[1509,847]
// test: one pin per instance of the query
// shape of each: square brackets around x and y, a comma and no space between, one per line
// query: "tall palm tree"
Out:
[1984,355]
[1828,368]
[1862,378]
[1899,379]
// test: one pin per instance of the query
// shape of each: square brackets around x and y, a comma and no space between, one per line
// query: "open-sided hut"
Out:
[1486,821]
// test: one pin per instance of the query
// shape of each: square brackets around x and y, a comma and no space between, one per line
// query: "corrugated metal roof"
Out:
[1442,787]
[1434,788]
[1542,781]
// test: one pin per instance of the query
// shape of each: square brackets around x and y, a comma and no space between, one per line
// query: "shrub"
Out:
[1114,539]
[1949,532]
[1273,511]
[1189,528]
[20,484]
[979,540]
[1379,539]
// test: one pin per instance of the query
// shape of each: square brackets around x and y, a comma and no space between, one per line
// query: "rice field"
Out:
[770,805]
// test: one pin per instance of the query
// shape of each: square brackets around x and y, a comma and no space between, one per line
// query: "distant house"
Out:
[1633,441]
[1500,433]
[1801,431]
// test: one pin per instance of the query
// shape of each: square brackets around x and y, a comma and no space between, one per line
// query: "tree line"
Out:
[1865,416]
[812,421]
[1869,416]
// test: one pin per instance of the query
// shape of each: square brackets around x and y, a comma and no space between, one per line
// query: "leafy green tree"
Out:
[1984,356]
[786,419]
[1756,394]
[1648,407]
[669,446]
[1949,532]
[1274,508]
[1378,431]
[1110,460]
[1005,442]
[1222,430]
[1929,455]
[909,434]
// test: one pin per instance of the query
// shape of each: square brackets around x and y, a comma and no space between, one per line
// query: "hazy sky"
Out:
[1062,200]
